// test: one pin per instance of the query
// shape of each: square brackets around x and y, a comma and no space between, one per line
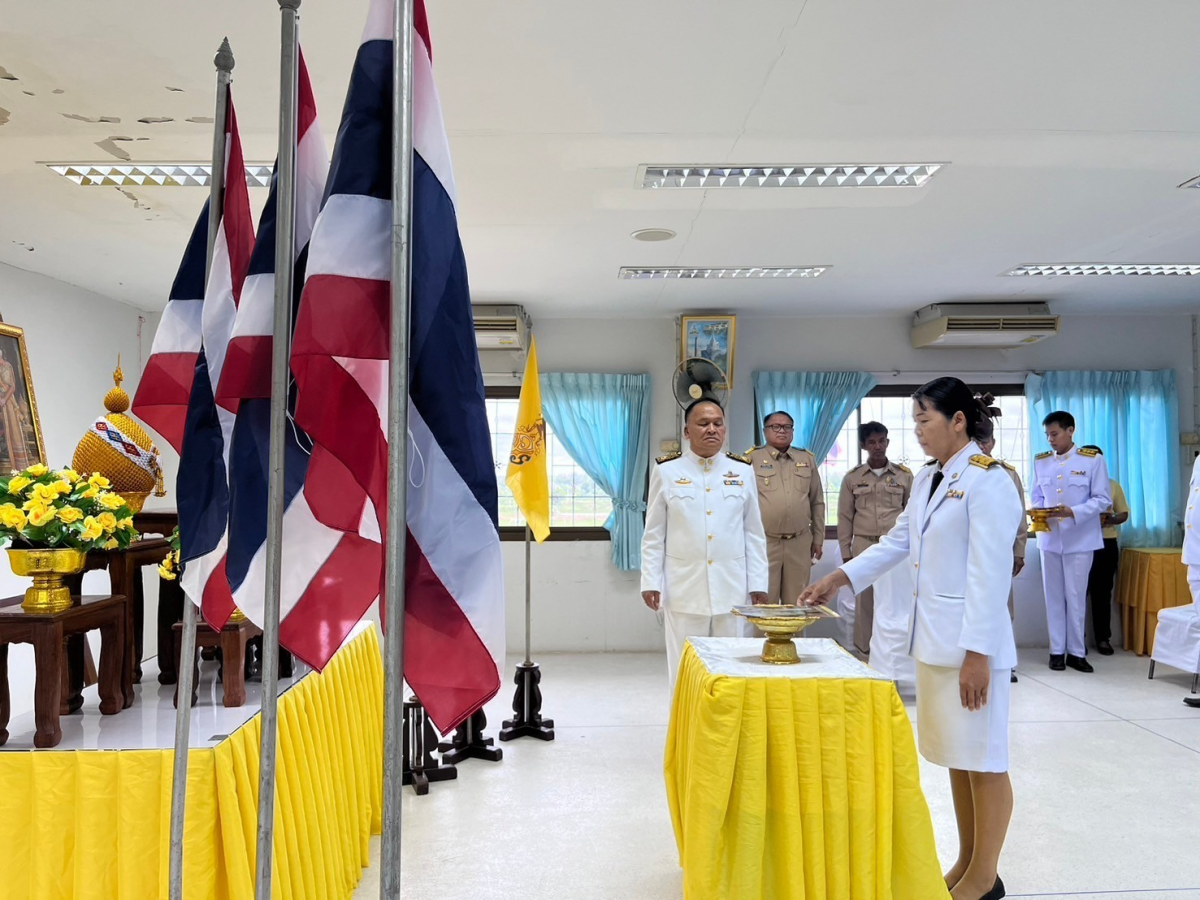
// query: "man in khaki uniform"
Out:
[792,504]
[871,499]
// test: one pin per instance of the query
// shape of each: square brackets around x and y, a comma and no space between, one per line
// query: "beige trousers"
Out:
[864,606]
[790,564]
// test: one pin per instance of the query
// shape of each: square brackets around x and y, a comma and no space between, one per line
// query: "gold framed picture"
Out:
[711,338]
[21,443]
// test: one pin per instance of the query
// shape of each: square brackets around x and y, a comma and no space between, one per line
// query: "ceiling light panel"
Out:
[151,174]
[743,272]
[790,176]
[1052,270]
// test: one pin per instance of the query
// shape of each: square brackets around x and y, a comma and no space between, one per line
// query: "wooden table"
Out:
[47,633]
[1149,579]
[231,640]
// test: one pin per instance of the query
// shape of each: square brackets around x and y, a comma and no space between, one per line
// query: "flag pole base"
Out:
[469,743]
[420,767]
[527,704]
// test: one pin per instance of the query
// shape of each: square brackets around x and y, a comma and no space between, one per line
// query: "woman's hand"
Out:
[824,590]
[973,681]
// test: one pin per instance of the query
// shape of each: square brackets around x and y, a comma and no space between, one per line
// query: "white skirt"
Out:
[956,738]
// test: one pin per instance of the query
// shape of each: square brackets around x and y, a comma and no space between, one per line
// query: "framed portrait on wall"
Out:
[21,443]
[711,338]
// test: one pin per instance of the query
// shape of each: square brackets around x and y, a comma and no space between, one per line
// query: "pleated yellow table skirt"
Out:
[1149,579]
[96,824]
[805,789]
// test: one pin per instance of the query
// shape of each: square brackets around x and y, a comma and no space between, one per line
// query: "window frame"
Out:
[558,532]
[907,390]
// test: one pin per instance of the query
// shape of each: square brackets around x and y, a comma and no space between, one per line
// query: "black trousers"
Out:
[1100,588]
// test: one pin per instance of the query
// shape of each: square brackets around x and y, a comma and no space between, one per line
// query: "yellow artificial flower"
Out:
[45,493]
[127,524]
[42,515]
[107,521]
[70,476]
[99,481]
[111,501]
[18,484]
[91,492]
[111,544]
[92,530]
[11,517]
[69,515]
[165,574]
[61,487]
[37,470]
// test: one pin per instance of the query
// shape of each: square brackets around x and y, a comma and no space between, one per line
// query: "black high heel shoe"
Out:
[996,892]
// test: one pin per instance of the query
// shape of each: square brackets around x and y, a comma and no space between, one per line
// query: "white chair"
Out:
[1177,641]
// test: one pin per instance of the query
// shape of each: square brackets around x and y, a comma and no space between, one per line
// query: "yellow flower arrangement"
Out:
[42,508]
[170,568]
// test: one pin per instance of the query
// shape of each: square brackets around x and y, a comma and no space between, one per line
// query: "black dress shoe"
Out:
[1193,702]
[1058,662]
[996,892]
[1079,663]
[1105,648]
[1013,677]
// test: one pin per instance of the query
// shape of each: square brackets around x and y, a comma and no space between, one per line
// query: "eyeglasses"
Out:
[780,429]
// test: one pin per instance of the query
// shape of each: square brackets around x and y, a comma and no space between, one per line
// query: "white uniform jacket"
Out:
[1079,481]
[1191,520]
[703,547]
[958,546]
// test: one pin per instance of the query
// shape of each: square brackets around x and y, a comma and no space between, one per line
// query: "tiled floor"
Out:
[1106,769]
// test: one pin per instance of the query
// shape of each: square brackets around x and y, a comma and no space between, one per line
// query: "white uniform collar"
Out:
[952,463]
[703,463]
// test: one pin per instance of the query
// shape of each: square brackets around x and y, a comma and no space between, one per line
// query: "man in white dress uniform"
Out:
[1073,482]
[1191,547]
[704,550]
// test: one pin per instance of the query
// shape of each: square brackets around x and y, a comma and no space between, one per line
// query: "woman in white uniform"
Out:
[955,537]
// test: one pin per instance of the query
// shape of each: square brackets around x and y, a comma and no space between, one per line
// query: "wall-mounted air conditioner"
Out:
[500,327]
[995,325]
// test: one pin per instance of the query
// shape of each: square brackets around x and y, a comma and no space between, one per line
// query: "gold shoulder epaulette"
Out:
[1087,451]
[984,462]
[903,468]
[738,457]
[1045,455]
[1008,466]
[669,457]
[751,450]
[806,450]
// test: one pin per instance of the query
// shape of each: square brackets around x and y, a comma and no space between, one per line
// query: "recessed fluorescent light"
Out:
[788,176]
[151,174]
[1076,269]
[636,273]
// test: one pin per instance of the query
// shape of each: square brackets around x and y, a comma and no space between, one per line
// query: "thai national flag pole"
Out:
[203,489]
[453,600]
[245,388]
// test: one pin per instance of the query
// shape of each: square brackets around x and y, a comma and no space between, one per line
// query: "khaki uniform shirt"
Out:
[869,504]
[790,496]
[1023,531]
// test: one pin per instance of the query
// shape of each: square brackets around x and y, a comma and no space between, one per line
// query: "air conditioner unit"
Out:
[501,327]
[995,325]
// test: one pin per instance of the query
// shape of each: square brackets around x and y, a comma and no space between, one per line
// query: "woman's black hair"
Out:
[949,396]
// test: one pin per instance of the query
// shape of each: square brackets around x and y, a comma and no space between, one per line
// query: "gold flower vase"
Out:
[48,569]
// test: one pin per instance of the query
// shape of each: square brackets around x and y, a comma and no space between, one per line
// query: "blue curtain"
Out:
[603,421]
[1134,418]
[820,402]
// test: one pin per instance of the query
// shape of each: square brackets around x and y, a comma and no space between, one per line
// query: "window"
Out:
[576,502]
[893,407]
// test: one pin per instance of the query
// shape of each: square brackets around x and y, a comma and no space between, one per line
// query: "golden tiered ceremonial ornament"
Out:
[1040,519]
[119,449]
[780,623]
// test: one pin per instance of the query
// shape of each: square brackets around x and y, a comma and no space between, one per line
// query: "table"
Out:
[1149,579]
[795,781]
[47,632]
[232,642]
[96,823]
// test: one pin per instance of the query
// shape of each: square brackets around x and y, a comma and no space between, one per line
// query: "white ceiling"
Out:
[1068,126]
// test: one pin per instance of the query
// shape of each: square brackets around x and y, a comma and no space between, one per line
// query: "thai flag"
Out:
[454,626]
[246,387]
[202,487]
[161,399]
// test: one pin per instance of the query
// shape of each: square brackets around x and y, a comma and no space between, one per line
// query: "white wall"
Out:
[581,602]
[73,337]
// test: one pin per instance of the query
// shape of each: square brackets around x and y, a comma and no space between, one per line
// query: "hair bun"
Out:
[987,405]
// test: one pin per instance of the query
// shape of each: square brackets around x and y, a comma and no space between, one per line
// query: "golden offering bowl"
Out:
[48,568]
[780,623]
[1041,520]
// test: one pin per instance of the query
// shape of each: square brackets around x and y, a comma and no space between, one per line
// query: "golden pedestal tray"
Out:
[1041,520]
[780,623]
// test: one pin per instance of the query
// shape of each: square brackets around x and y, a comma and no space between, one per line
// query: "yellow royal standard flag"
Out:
[528,475]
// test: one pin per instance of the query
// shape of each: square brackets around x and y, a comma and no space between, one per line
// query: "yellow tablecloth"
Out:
[96,824]
[805,789]
[1149,579]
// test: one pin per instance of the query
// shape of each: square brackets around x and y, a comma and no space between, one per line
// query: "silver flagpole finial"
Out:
[224,59]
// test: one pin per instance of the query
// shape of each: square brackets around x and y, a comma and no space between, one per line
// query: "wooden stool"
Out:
[231,640]
[46,632]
